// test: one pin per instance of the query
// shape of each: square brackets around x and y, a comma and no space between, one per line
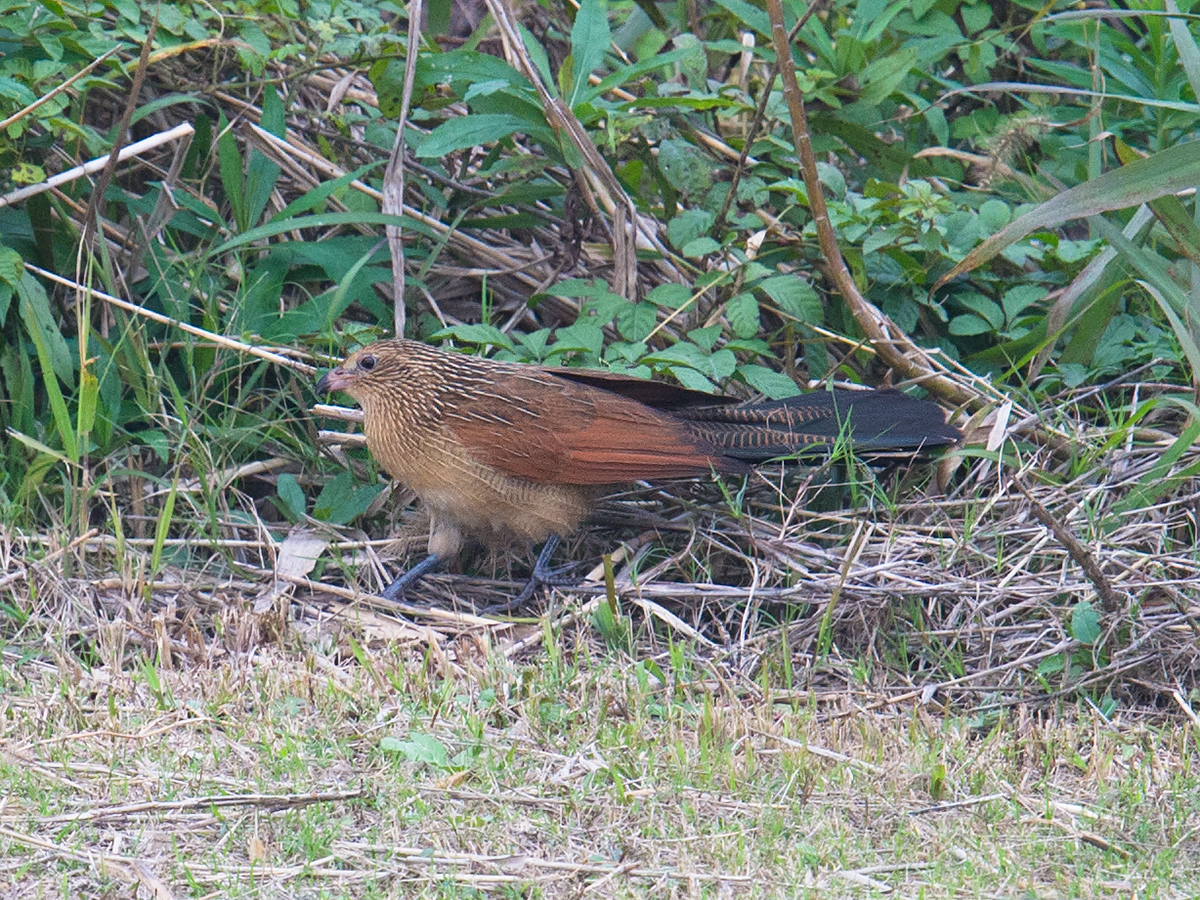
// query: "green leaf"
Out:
[885,74]
[984,307]
[1085,623]
[581,287]
[742,312]
[232,179]
[1018,299]
[969,325]
[1159,479]
[751,16]
[685,167]
[637,320]
[323,220]
[705,338]
[585,336]
[774,385]
[89,394]
[52,355]
[310,201]
[261,176]
[541,60]
[342,499]
[419,748]
[273,115]
[1143,180]
[627,73]
[796,297]
[480,334]
[701,246]
[689,225]
[670,296]
[589,43]
[291,496]
[1052,664]
[477,129]
[12,267]
[692,379]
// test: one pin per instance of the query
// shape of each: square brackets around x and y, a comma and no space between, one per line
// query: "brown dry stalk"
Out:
[1085,560]
[894,347]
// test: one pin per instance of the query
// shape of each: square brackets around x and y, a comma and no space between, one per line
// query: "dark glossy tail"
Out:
[870,420]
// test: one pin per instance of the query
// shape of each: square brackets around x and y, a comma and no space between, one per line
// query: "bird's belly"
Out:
[478,500]
[495,508]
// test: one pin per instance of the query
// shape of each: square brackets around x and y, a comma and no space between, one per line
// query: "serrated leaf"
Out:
[637,320]
[794,296]
[479,334]
[1085,623]
[742,313]
[670,296]
[772,384]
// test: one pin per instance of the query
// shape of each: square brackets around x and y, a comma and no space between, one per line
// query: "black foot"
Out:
[542,575]
[396,589]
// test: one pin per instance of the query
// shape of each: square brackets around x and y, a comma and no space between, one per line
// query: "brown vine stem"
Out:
[893,346]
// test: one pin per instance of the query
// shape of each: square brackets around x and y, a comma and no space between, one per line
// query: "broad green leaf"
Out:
[473,131]
[686,168]
[1085,623]
[742,312]
[419,748]
[794,296]
[688,225]
[636,320]
[479,334]
[291,496]
[774,385]
[1141,181]
[670,296]
[589,43]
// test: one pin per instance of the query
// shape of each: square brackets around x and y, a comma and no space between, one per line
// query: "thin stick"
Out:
[393,177]
[95,165]
[1086,561]
[229,343]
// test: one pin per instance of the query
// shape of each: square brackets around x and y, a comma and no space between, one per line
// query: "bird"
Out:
[501,450]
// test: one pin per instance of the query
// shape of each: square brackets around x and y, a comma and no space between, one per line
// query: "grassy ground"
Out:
[329,762]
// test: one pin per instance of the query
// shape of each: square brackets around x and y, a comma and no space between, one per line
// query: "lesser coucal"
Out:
[500,450]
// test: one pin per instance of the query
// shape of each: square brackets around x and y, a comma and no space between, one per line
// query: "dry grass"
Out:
[849,704]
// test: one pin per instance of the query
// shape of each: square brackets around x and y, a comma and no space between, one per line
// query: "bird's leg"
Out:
[445,540]
[412,576]
[542,575]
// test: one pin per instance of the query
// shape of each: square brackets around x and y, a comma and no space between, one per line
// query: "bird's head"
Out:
[365,371]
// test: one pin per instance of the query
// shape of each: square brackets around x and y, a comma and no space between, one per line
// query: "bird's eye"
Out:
[367,363]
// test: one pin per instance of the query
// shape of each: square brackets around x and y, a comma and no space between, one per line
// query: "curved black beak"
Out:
[323,387]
